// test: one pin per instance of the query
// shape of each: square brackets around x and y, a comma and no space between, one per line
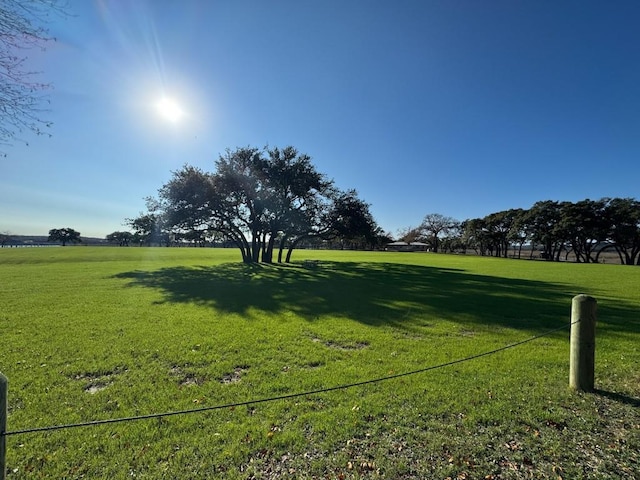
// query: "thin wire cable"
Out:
[284,397]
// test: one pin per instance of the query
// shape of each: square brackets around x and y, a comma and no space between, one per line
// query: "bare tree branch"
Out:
[22,96]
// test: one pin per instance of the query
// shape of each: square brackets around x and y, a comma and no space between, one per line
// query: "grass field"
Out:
[92,333]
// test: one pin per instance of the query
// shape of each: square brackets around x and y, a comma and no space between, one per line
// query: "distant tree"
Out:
[453,240]
[502,227]
[148,229]
[350,221]
[197,238]
[476,235]
[64,236]
[409,234]
[5,238]
[544,225]
[585,229]
[623,215]
[121,238]
[21,28]
[518,231]
[585,226]
[383,238]
[434,226]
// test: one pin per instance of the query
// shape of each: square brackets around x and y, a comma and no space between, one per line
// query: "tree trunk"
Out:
[246,254]
[240,241]
[292,246]
[267,252]
[557,255]
[255,246]
[283,242]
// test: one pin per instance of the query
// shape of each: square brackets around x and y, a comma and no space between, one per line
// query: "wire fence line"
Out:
[287,396]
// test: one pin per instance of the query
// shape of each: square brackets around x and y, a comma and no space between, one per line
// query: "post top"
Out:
[584,298]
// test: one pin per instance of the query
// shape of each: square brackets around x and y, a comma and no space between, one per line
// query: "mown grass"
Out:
[100,333]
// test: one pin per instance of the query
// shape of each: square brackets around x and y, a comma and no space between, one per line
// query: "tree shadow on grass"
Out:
[619,397]
[374,293]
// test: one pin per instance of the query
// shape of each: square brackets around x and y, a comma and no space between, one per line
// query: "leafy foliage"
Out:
[583,229]
[64,236]
[121,238]
[434,226]
[259,200]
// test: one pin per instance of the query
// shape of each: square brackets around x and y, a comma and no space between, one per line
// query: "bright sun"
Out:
[169,110]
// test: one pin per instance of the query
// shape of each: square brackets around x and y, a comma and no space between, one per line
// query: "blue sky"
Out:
[457,107]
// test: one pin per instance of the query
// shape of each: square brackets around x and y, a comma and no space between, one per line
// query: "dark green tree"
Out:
[623,218]
[476,235]
[5,238]
[543,220]
[191,207]
[518,232]
[148,229]
[351,221]
[296,196]
[585,226]
[260,200]
[502,229]
[340,219]
[64,236]
[121,238]
[453,240]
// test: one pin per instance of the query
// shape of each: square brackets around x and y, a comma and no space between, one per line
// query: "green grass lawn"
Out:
[99,333]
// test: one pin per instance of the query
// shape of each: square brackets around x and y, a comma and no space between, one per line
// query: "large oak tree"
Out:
[64,236]
[260,199]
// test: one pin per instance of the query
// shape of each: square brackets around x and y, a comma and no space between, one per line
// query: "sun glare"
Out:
[169,110]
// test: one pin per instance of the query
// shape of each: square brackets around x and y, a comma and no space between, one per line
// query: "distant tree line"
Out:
[262,201]
[5,237]
[553,230]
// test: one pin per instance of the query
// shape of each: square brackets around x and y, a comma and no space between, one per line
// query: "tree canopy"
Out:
[260,200]
[64,236]
[434,226]
[121,238]
[583,229]
[552,230]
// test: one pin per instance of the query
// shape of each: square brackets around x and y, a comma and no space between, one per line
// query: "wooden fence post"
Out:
[4,383]
[583,343]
